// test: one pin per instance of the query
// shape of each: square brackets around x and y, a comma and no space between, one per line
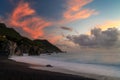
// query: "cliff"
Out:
[14,43]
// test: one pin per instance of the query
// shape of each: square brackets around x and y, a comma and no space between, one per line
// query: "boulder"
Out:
[48,65]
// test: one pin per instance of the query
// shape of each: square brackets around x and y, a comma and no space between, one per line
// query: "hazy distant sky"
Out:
[56,19]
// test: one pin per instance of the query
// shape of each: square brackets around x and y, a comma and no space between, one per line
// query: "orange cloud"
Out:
[109,24]
[75,10]
[55,39]
[106,25]
[25,17]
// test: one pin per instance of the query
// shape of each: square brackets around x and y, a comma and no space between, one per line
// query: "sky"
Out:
[65,23]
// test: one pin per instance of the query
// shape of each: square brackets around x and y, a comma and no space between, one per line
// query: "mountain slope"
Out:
[10,33]
[24,44]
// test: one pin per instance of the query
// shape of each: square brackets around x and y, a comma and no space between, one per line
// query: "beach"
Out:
[60,40]
[97,72]
[12,70]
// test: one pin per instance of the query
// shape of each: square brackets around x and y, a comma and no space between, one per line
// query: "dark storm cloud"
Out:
[98,38]
[66,28]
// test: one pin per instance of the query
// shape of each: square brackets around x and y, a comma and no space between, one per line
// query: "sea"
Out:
[100,63]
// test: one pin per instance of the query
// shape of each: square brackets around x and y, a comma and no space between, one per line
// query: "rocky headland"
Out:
[12,43]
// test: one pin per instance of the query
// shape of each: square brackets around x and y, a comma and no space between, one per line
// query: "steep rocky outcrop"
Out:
[12,42]
[10,33]
[46,46]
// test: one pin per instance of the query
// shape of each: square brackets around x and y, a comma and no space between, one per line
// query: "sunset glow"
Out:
[71,17]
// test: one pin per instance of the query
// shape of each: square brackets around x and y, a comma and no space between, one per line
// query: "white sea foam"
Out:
[76,67]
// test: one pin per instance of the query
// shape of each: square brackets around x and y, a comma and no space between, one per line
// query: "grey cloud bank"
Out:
[98,38]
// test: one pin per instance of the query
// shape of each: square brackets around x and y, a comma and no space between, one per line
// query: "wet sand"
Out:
[11,70]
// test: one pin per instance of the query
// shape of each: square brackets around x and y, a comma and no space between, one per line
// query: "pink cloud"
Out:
[34,24]
[25,17]
[75,10]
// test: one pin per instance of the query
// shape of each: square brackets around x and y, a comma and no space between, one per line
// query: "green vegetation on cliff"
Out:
[46,45]
[10,33]
[25,44]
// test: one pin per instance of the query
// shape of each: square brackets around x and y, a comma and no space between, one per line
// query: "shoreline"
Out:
[65,71]
[33,68]
[69,72]
[41,65]
[12,70]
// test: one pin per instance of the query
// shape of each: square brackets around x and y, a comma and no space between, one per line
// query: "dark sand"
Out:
[11,70]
